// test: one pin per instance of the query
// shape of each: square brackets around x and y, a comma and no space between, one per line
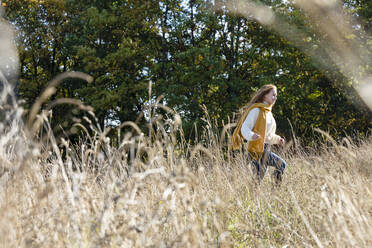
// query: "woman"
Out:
[258,126]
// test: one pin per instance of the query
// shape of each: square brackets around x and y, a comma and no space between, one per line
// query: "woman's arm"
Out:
[275,139]
[271,137]
[249,123]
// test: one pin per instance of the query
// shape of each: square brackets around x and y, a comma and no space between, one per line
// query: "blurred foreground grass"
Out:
[154,190]
[157,192]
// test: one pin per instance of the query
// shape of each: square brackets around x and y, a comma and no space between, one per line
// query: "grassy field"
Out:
[158,192]
[154,190]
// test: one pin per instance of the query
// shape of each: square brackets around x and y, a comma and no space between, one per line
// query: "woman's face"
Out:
[270,97]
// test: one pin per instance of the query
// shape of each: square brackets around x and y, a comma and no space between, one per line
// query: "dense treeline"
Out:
[193,52]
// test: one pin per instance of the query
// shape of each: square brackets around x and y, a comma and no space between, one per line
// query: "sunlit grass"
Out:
[93,194]
[153,190]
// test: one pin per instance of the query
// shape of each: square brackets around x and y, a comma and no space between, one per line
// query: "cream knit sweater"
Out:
[248,125]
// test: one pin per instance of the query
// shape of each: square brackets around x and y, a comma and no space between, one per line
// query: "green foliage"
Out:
[194,54]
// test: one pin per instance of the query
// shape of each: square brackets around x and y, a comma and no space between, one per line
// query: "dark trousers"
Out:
[269,158]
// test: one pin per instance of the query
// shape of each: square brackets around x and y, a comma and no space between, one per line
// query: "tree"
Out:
[194,53]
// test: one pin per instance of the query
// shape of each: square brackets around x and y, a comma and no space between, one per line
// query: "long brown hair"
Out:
[257,97]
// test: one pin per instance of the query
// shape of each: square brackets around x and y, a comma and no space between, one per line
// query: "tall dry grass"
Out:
[152,190]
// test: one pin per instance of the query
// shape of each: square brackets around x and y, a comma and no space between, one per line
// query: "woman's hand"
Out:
[281,141]
[255,136]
